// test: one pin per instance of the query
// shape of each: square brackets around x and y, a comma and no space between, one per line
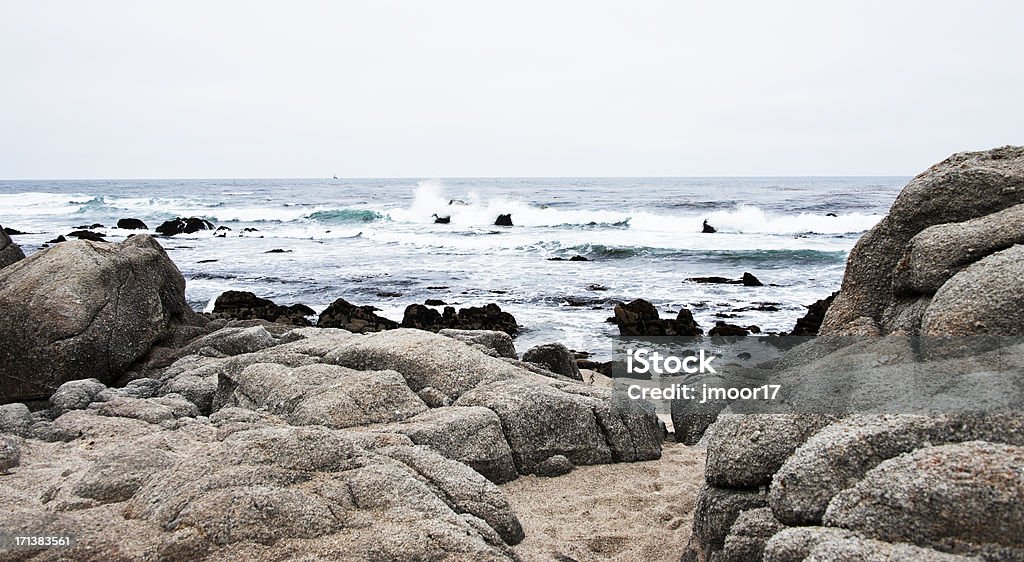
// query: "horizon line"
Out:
[423,178]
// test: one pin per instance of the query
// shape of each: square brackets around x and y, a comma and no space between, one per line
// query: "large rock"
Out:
[939,252]
[471,435]
[356,319]
[586,425]
[744,451]
[325,395]
[944,497]
[748,535]
[717,510]
[983,299]
[796,544]
[9,251]
[556,358]
[965,186]
[424,359]
[84,310]
[838,456]
[243,305]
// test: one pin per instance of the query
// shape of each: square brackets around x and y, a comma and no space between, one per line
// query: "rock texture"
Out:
[85,310]
[311,443]
[9,251]
[965,186]
[878,477]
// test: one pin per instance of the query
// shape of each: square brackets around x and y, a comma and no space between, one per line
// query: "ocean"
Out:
[375,242]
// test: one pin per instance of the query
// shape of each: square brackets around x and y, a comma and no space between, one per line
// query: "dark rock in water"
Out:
[277,251]
[641,318]
[434,302]
[708,229]
[556,358]
[86,235]
[358,319]
[811,322]
[503,220]
[423,317]
[225,228]
[12,231]
[388,295]
[831,215]
[206,261]
[556,465]
[179,225]
[714,280]
[456,202]
[90,226]
[556,259]
[131,224]
[80,310]
[596,287]
[441,220]
[243,305]
[579,258]
[747,280]
[250,229]
[723,329]
[489,317]
[9,251]
[57,240]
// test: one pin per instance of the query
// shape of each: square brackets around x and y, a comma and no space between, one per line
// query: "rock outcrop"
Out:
[488,317]
[315,443]
[358,319]
[880,478]
[179,225]
[641,318]
[84,310]
[893,270]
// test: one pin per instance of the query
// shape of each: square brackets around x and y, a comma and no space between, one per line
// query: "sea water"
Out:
[375,242]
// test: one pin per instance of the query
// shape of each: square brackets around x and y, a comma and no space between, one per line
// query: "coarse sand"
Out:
[639,511]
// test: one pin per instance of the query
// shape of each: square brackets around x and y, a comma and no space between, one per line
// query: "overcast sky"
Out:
[129,89]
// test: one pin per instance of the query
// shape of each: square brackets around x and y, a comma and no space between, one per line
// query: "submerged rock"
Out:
[503,220]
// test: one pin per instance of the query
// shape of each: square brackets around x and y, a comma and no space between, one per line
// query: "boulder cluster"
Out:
[155,433]
[946,261]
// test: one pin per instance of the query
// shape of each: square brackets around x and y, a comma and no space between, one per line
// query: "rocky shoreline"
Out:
[151,432]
